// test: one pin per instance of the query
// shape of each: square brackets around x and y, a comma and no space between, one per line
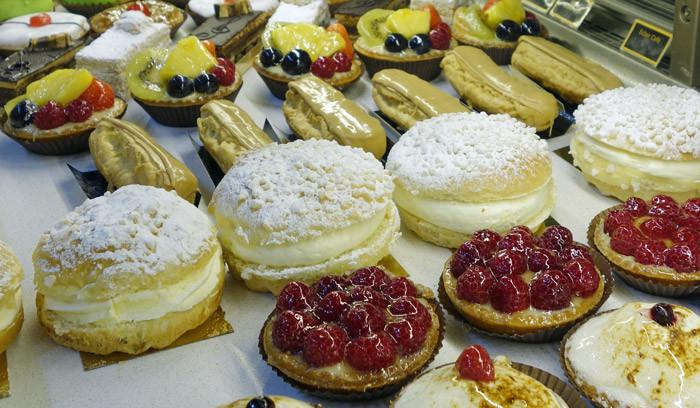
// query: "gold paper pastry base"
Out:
[215,326]
[392,265]
[4,377]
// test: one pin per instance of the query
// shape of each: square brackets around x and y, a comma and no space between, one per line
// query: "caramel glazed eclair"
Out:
[125,153]
[303,210]
[489,88]
[316,110]
[227,131]
[128,271]
[407,99]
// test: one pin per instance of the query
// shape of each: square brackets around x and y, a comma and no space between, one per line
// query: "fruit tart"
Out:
[291,51]
[524,287]
[496,27]
[355,337]
[158,11]
[475,380]
[410,40]
[173,84]
[652,245]
[57,113]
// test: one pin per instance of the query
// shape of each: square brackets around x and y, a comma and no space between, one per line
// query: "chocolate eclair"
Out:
[561,70]
[316,110]
[126,154]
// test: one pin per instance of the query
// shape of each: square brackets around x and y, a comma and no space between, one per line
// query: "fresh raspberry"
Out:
[324,67]
[475,284]
[411,308]
[518,239]
[650,252]
[440,39]
[615,219]
[506,262]
[78,111]
[99,95]
[690,221]
[343,63]
[541,259]
[408,335]
[692,207]
[371,353]
[626,239]
[369,295]
[666,210]
[486,241]
[681,258]
[332,306]
[324,345]
[329,284]
[224,75]
[658,227]
[295,296]
[556,238]
[227,63]
[362,319]
[289,329]
[636,206]
[510,294]
[583,275]
[467,254]
[662,199]
[50,116]
[400,287]
[551,290]
[575,251]
[444,27]
[372,276]
[662,313]
[475,364]
[686,235]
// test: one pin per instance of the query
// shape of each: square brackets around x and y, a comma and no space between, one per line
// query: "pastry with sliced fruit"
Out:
[158,11]
[477,381]
[355,337]
[523,286]
[496,27]
[293,51]
[445,8]
[57,113]
[414,41]
[173,84]
[653,245]
[350,11]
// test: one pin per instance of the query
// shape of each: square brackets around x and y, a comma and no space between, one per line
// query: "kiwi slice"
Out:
[372,26]
[143,74]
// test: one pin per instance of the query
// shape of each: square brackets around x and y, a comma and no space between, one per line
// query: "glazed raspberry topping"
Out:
[50,116]
[475,364]
[78,111]
[467,254]
[367,320]
[529,273]
[660,232]
[486,241]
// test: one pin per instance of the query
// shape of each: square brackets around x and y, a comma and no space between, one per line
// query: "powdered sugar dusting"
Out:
[295,191]
[453,150]
[653,119]
[135,230]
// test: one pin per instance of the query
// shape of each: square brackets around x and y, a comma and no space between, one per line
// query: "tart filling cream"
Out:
[144,305]
[529,209]
[630,360]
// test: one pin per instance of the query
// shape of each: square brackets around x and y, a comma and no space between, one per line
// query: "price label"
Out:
[646,42]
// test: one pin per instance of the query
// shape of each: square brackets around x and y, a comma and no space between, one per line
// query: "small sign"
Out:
[571,12]
[541,5]
[647,42]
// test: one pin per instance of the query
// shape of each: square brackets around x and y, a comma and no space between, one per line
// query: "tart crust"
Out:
[221,93]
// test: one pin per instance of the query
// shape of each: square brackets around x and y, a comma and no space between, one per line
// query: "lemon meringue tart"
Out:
[11,311]
[462,172]
[302,210]
[128,271]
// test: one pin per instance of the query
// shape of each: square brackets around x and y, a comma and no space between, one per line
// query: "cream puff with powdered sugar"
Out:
[459,173]
[303,210]
[128,271]
[11,311]
[640,141]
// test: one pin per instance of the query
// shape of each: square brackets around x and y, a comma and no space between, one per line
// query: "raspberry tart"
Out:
[653,245]
[477,381]
[524,287]
[293,51]
[355,337]
[57,113]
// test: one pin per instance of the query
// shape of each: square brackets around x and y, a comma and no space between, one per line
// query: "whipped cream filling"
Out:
[9,311]
[634,361]
[530,210]
[687,170]
[144,305]
[303,252]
